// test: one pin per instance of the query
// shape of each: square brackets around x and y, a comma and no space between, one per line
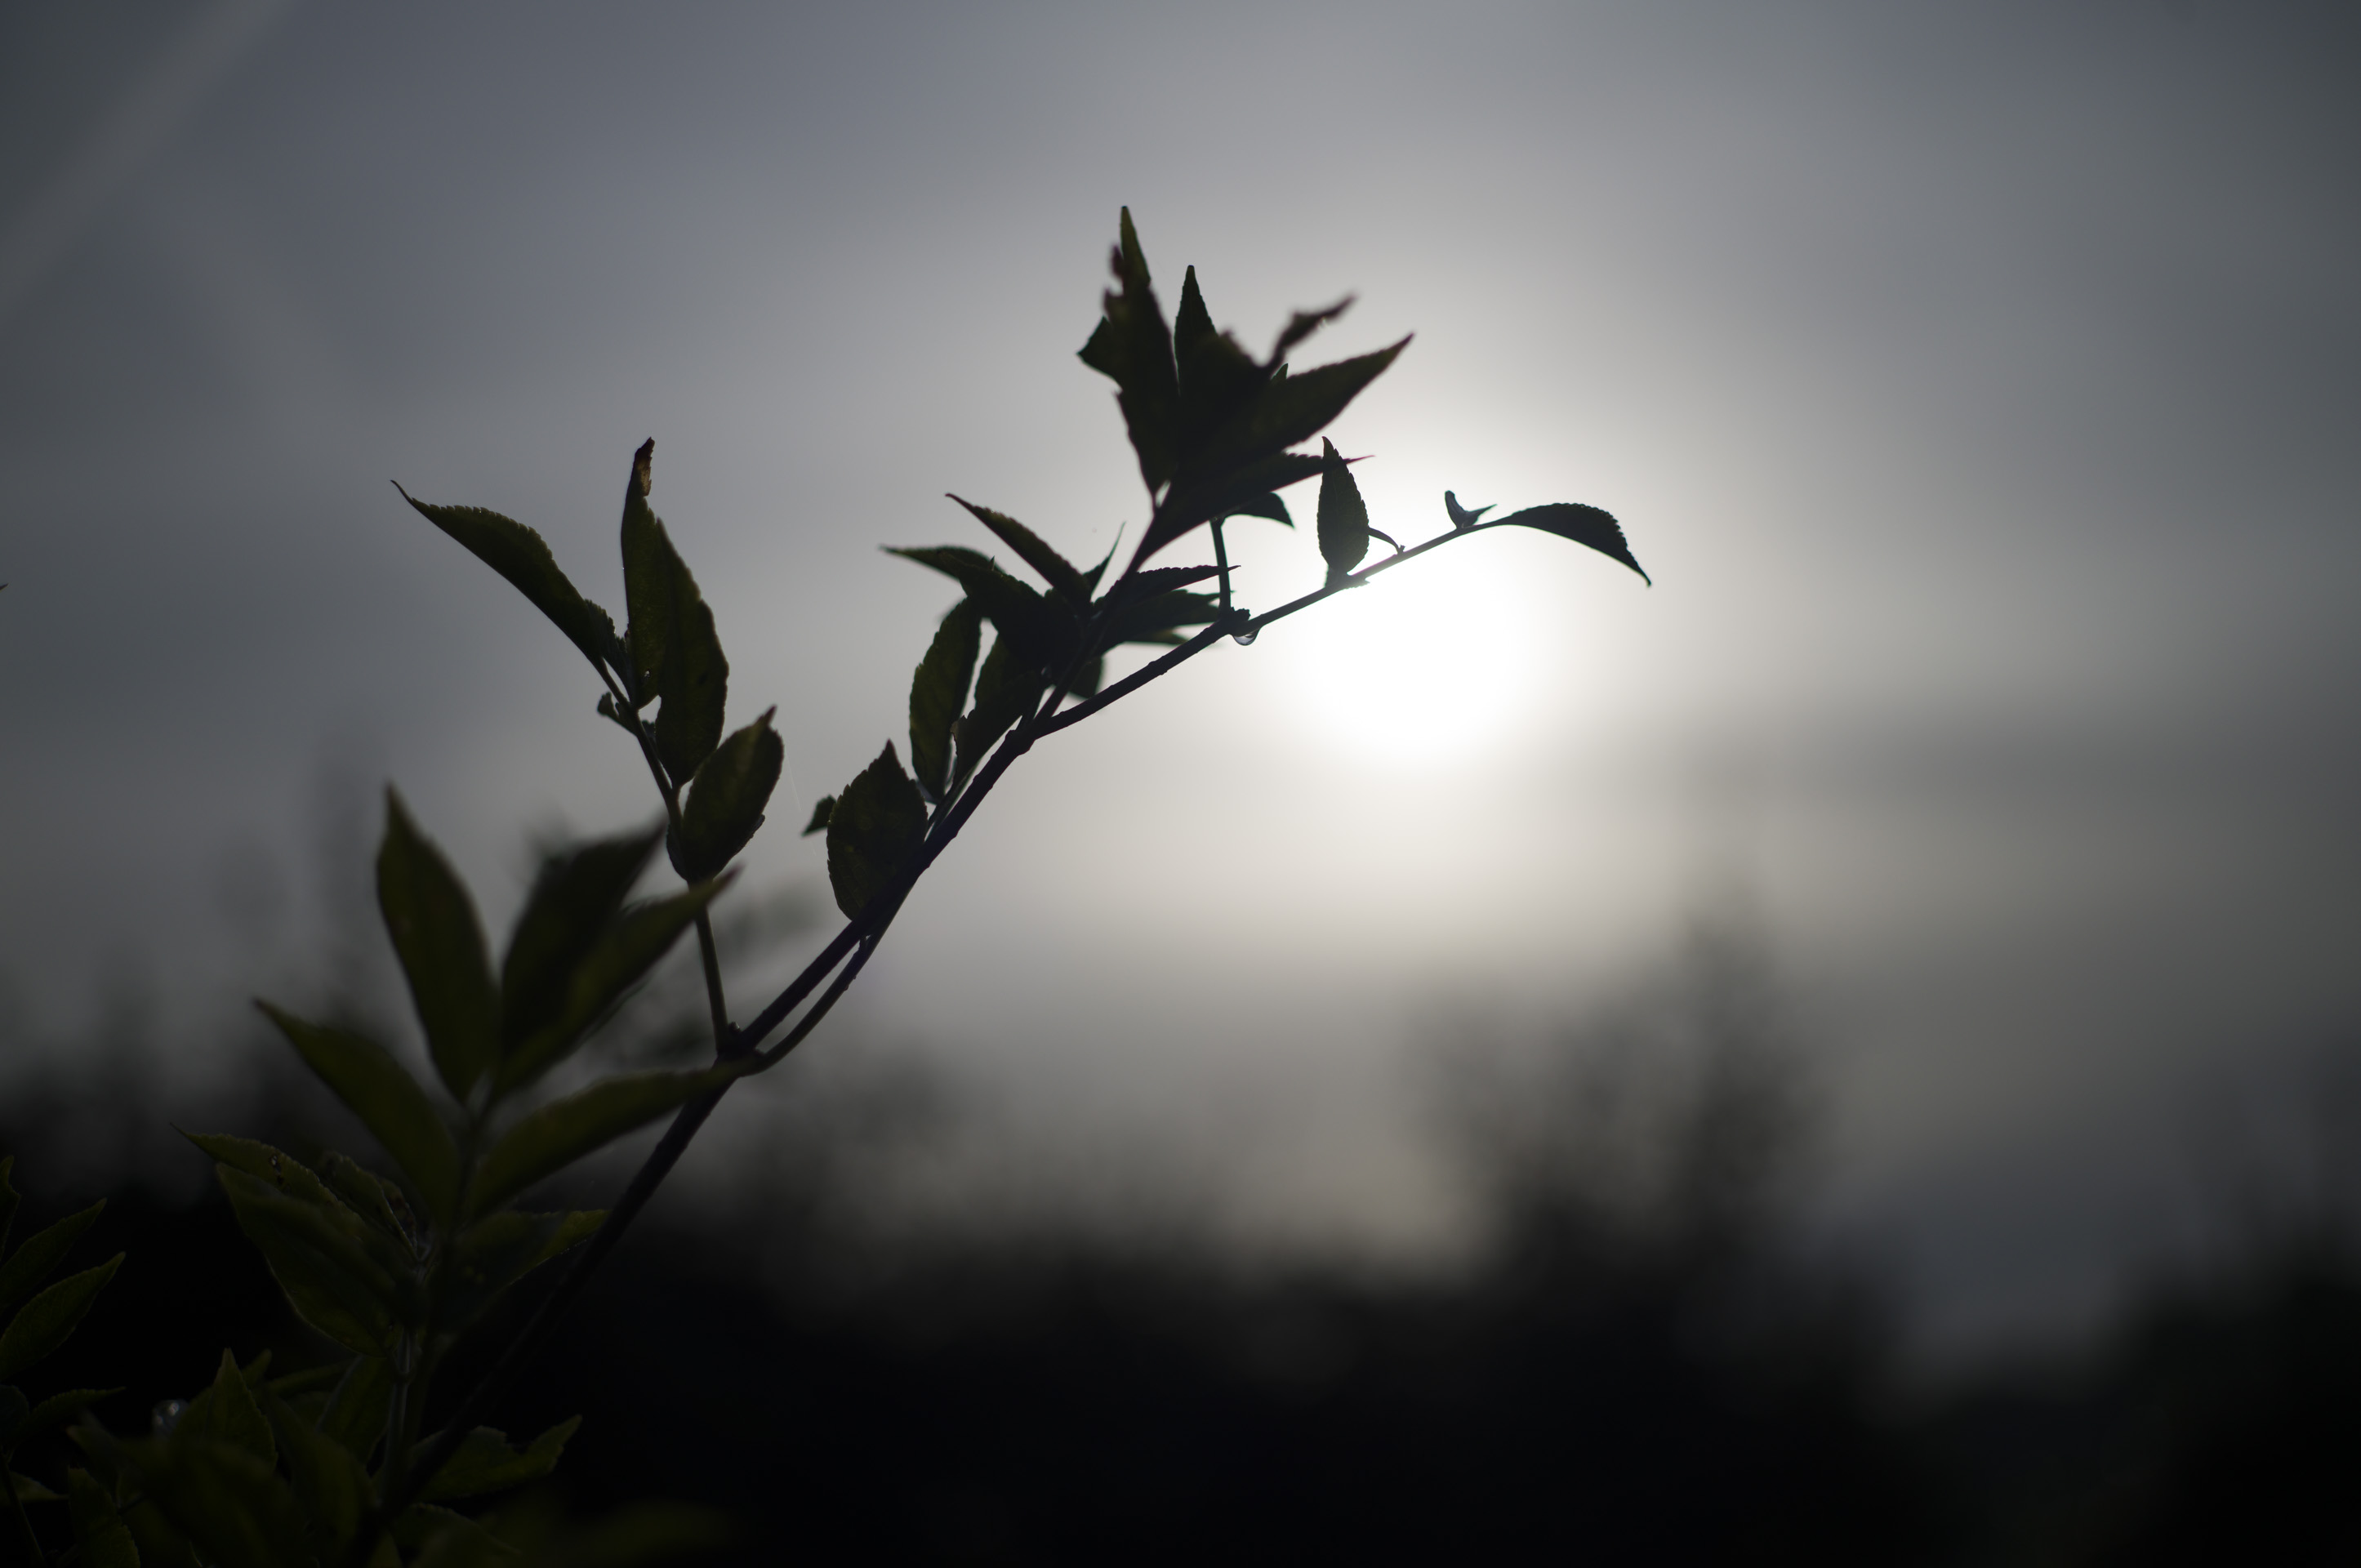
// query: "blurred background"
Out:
[1873,977]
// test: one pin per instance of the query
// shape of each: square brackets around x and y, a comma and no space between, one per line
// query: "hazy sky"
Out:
[1977,382]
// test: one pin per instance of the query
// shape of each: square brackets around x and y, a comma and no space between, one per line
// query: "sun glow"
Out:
[1428,667]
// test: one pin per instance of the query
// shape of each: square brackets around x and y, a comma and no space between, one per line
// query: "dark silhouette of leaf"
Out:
[329,1483]
[520,556]
[822,809]
[364,1192]
[1461,518]
[1146,585]
[232,1506]
[1303,323]
[441,943]
[724,808]
[41,1254]
[45,1322]
[1055,569]
[938,691]
[53,1412]
[339,1276]
[1151,618]
[1006,690]
[1267,504]
[545,1141]
[878,821]
[1343,517]
[227,1412]
[622,954]
[1041,629]
[1217,377]
[1583,524]
[675,652]
[1133,348]
[101,1540]
[355,1414]
[390,1104]
[501,1249]
[485,1463]
[578,891]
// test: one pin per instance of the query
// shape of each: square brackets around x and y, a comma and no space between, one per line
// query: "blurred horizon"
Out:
[1973,381]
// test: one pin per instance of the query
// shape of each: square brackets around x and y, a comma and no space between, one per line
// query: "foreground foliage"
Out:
[333,1464]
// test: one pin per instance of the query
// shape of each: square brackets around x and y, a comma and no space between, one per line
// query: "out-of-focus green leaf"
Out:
[1343,517]
[1041,629]
[441,1539]
[319,1381]
[501,1249]
[321,1255]
[230,1415]
[1055,569]
[877,822]
[545,1141]
[520,556]
[1217,377]
[329,1483]
[45,1322]
[485,1463]
[41,1254]
[577,893]
[727,799]
[1006,690]
[1583,524]
[676,653]
[355,1412]
[364,1192]
[441,943]
[938,691]
[389,1101]
[53,1412]
[1133,348]
[822,809]
[623,954]
[232,1506]
[28,1490]
[101,1540]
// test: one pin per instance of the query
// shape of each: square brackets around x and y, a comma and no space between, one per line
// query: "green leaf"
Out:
[822,809]
[938,691]
[878,821]
[725,801]
[100,1538]
[1217,377]
[1343,517]
[1055,569]
[485,1463]
[389,1101]
[229,1504]
[322,1257]
[47,1320]
[622,954]
[441,943]
[520,556]
[501,1249]
[1006,691]
[676,653]
[573,897]
[547,1141]
[1041,629]
[1133,348]
[366,1193]
[355,1412]
[229,1413]
[329,1483]
[1583,524]
[319,1381]
[53,1412]
[28,1490]
[40,1255]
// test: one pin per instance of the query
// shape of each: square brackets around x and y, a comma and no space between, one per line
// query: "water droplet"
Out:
[1245,639]
[167,1416]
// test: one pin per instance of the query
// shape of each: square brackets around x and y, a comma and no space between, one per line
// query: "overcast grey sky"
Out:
[1977,382]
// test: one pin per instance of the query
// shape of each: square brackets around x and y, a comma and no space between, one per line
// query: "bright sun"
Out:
[1429,666]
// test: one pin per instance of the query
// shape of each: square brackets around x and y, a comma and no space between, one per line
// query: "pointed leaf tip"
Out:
[1586,525]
